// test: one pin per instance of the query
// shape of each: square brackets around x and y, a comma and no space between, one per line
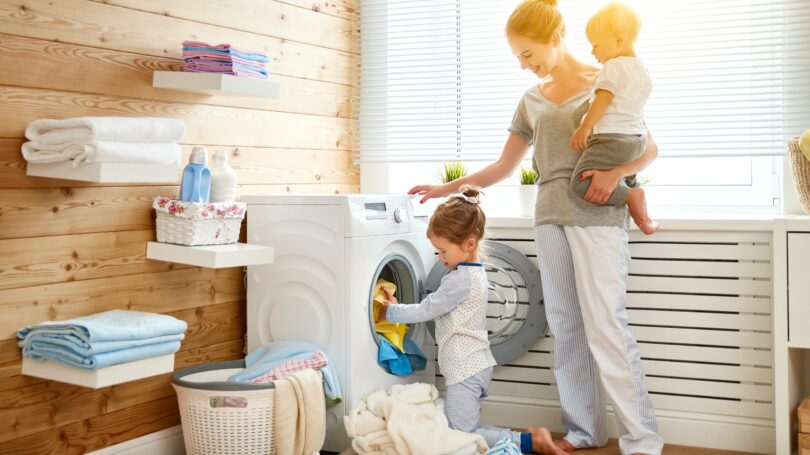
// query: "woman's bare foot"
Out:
[542,442]
[637,206]
[564,445]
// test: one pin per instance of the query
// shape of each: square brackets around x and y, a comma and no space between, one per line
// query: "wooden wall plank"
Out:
[155,292]
[43,260]
[348,9]
[204,124]
[61,211]
[253,165]
[100,431]
[270,18]
[117,73]
[112,27]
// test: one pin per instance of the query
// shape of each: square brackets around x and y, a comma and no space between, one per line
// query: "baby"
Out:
[613,132]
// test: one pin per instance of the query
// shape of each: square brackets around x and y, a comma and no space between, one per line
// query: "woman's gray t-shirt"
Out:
[548,127]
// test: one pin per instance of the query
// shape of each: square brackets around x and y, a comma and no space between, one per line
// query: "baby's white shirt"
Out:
[629,82]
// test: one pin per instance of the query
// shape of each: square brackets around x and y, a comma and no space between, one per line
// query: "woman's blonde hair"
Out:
[459,218]
[615,17]
[537,20]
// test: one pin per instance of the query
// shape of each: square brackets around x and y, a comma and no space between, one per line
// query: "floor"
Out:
[612,448]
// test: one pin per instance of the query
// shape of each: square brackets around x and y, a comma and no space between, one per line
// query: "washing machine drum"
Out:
[516,317]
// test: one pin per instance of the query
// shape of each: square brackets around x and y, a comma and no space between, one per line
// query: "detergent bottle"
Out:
[196,183]
[223,178]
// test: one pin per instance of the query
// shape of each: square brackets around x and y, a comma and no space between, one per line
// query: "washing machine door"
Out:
[516,317]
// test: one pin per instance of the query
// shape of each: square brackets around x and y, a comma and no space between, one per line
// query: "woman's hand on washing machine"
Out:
[429,191]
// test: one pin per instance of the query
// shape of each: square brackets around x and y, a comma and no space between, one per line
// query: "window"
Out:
[439,83]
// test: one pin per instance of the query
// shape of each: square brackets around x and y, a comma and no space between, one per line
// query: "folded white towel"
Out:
[103,152]
[82,130]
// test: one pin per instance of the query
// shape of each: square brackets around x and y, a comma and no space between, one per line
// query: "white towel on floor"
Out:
[103,152]
[81,130]
[409,420]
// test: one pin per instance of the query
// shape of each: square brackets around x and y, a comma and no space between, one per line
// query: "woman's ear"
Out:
[555,39]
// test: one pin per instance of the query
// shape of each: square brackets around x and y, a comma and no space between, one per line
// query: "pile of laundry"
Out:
[104,139]
[223,58]
[409,420]
[103,339]
[399,353]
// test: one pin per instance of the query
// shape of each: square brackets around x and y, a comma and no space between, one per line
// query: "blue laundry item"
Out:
[271,355]
[243,55]
[505,447]
[113,325]
[60,354]
[79,347]
[392,360]
[417,360]
[399,363]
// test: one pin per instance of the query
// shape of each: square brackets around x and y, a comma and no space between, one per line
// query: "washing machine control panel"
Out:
[378,215]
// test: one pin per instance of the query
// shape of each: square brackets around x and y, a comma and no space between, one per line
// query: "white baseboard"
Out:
[688,429]
[163,442]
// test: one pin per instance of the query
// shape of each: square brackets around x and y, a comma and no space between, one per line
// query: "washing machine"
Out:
[330,250]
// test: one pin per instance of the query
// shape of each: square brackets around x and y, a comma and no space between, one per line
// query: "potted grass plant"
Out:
[452,171]
[527,191]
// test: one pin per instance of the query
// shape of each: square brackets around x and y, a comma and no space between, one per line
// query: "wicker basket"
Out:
[221,417]
[187,223]
[801,173]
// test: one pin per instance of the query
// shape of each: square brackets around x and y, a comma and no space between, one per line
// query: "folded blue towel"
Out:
[62,355]
[76,345]
[113,325]
[398,363]
[273,354]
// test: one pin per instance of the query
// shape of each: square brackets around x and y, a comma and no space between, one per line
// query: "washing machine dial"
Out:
[398,215]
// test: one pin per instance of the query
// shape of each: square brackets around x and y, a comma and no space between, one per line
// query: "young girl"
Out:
[459,308]
[612,132]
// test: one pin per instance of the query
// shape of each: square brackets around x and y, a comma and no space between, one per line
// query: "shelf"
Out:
[798,345]
[215,84]
[211,256]
[107,172]
[101,377]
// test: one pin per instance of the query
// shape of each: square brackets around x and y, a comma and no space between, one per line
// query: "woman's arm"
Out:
[603,183]
[513,152]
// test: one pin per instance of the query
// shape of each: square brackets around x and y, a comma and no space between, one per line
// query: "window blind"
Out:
[438,81]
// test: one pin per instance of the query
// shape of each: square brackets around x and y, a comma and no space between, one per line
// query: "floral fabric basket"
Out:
[198,223]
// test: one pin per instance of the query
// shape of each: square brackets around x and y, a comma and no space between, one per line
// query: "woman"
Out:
[582,245]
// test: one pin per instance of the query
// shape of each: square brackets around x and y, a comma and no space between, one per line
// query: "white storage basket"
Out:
[189,223]
[211,422]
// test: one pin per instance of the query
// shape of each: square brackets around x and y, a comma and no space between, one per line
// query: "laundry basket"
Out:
[221,417]
[198,223]
[801,173]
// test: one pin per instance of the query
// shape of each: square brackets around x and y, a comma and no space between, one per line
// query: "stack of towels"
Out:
[204,58]
[104,139]
[103,339]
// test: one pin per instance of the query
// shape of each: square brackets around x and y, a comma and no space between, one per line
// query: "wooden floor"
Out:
[612,448]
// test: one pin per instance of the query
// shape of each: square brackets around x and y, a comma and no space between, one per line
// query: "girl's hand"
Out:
[389,297]
[603,183]
[580,139]
[429,191]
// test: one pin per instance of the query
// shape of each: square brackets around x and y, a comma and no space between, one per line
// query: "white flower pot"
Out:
[527,195]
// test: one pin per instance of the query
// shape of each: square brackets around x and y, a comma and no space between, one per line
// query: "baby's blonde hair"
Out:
[537,20]
[458,219]
[615,17]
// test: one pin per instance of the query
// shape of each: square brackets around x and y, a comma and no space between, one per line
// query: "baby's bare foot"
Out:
[542,442]
[637,206]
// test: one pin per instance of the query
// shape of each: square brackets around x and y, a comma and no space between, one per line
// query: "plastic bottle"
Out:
[196,183]
[223,178]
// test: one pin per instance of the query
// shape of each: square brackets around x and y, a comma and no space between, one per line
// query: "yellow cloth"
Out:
[393,332]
